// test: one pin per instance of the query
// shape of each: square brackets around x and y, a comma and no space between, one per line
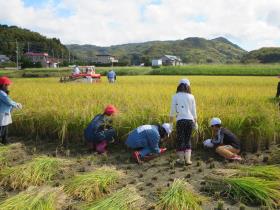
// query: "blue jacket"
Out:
[6,103]
[111,75]
[145,136]
[100,129]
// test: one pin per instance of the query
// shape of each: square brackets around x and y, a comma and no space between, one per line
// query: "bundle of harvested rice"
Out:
[92,185]
[38,171]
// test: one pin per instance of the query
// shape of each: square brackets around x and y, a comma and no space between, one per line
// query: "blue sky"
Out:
[249,23]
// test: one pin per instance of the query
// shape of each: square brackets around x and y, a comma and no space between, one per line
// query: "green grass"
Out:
[178,196]
[190,69]
[39,171]
[123,199]
[91,186]
[35,199]
[220,69]
[248,190]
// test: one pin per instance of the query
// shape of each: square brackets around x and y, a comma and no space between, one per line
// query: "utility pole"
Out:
[17,53]
[69,59]
[28,49]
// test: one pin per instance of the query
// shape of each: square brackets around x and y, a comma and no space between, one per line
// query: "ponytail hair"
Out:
[183,88]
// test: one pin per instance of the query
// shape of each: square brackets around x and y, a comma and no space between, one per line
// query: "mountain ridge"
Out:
[191,50]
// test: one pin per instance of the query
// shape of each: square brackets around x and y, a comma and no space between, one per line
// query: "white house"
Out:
[4,58]
[106,59]
[156,62]
[171,60]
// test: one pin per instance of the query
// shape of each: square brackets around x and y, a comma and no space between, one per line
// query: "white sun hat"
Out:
[215,121]
[167,127]
[185,81]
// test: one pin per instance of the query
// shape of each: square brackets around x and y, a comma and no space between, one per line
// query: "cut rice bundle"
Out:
[34,198]
[180,197]
[91,186]
[36,172]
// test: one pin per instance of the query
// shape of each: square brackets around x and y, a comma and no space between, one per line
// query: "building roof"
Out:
[2,57]
[173,57]
[105,55]
[36,54]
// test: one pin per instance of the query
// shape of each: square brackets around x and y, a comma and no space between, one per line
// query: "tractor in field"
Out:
[84,74]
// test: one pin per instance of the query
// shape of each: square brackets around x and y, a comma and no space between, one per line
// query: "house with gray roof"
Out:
[171,60]
[4,58]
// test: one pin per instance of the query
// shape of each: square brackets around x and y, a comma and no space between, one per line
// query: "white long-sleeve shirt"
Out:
[183,106]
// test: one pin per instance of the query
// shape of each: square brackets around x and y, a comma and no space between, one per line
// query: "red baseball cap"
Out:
[5,81]
[110,110]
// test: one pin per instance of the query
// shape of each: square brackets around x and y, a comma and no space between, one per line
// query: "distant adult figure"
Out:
[112,77]
[278,89]
[145,141]
[76,70]
[223,141]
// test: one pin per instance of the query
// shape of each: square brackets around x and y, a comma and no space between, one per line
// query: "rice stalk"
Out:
[179,197]
[268,172]
[248,190]
[275,157]
[124,199]
[38,171]
[35,198]
[91,186]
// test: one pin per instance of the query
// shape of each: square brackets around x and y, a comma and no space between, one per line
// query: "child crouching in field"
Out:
[145,141]
[100,131]
[223,140]
[6,107]
[184,108]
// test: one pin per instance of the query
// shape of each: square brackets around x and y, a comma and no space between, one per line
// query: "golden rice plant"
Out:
[93,185]
[34,198]
[11,153]
[36,172]
[180,197]
[124,199]
[243,104]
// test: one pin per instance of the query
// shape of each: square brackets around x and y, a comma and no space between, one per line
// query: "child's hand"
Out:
[19,106]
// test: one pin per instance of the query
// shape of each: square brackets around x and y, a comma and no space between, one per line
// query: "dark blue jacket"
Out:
[145,136]
[99,129]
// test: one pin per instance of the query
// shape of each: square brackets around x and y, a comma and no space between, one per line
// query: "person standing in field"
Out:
[100,132]
[183,107]
[6,107]
[112,76]
[278,89]
[223,140]
[145,141]
[76,70]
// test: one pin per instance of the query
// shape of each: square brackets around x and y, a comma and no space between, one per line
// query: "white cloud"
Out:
[250,23]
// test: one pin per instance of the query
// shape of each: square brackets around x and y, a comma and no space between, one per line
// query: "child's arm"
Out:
[6,99]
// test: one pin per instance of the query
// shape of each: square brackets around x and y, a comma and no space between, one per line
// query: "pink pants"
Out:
[100,147]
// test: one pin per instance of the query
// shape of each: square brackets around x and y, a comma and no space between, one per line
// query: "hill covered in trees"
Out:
[263,55]
[191,50]
[28,41]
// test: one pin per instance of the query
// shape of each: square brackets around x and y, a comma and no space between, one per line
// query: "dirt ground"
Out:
[150,178]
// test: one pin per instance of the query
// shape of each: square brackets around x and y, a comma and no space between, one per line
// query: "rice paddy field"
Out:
[49,167]
[60,112]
